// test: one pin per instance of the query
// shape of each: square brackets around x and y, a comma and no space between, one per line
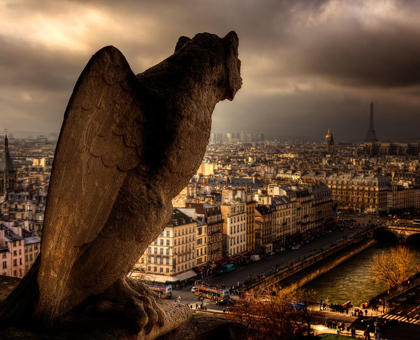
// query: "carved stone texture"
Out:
[127,146]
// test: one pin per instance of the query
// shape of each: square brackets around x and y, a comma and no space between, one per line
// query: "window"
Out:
[4,264]
[167,261]
[161,242]
[14,262]
[168,243]
[168,233]
[161,251]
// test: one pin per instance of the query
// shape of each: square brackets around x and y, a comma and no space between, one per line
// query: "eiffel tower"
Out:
[371,134]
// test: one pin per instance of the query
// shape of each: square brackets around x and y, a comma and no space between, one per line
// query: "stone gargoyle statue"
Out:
[129,144]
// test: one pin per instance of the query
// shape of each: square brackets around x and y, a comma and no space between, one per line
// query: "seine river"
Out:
[352,280]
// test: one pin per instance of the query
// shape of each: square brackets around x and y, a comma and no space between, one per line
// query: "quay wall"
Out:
[342,249]
[328,266]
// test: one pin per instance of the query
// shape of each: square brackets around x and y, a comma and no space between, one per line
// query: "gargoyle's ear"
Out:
[181,42]
[231,44]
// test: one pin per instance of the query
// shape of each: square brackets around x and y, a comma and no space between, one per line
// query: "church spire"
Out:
[6,164]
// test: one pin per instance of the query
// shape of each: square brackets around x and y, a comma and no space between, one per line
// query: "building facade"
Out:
[234,228]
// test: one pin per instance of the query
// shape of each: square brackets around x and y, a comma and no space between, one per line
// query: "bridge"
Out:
[403,229]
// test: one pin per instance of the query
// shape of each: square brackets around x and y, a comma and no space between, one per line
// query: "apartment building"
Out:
[263,229]
[32,249]
[212,217]
[173,252]
[234,228]
[26,205]
[12,248]
[359,192]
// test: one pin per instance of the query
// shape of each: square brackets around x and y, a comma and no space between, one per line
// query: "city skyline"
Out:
[306,66]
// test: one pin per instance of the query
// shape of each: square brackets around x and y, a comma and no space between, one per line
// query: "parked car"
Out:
[227,268]
[225,302]
[193,290]
[296,247]
[255,258]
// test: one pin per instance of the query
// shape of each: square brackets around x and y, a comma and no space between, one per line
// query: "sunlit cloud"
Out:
[305,64]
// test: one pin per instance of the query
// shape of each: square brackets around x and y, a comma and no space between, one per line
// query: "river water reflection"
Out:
[352,280]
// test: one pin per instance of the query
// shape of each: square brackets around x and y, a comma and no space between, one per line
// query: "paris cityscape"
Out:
[136,202]
[254,209]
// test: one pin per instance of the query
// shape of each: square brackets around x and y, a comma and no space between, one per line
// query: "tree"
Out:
[394,267]
[274,315]
[304,316]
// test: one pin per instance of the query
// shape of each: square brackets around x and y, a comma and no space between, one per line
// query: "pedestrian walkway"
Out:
[402,318]
[321,329]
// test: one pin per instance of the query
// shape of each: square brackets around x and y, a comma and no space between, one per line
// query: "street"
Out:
[241,274]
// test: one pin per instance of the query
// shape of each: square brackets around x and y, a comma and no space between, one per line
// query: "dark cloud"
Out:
[356,54]
[29,67]
[306,65]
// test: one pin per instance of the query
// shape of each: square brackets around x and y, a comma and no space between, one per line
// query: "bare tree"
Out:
[393,267]
[303,315]
[274,315]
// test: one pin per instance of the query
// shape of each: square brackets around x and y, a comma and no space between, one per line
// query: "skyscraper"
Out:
[371,134]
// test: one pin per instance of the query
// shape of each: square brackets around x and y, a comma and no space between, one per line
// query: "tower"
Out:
[329,141]
[7,170]
[371,134]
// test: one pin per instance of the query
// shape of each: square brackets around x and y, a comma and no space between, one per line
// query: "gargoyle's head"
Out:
[213,57]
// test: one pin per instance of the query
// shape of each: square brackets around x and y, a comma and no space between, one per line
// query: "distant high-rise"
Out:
[371,134]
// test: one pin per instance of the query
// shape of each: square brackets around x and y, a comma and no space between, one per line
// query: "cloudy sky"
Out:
[307,65]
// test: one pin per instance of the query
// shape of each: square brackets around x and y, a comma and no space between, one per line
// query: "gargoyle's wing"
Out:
[100,141]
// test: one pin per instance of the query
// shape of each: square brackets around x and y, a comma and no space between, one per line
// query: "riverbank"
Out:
[320,268]
[342,249]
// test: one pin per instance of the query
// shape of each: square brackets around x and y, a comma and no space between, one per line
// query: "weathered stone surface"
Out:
[7,284]
[197,328]
[127,146]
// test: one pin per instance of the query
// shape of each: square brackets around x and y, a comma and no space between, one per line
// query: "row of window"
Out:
[237,229]
[238,239]
[15,263]
[236,250]
[161,270]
